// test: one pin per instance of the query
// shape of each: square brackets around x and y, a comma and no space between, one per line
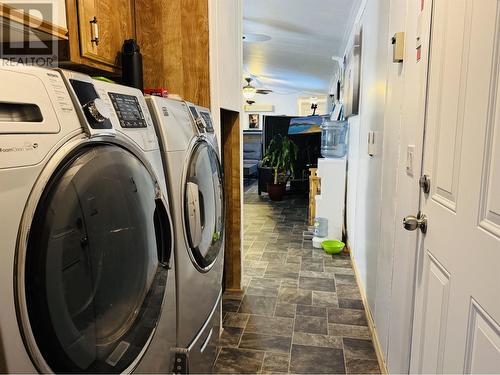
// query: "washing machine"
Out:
[192,166]
[87,280]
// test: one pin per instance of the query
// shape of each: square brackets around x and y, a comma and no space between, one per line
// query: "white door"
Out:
[457,307]
[418,23]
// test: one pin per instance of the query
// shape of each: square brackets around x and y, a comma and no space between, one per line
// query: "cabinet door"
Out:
[103,26]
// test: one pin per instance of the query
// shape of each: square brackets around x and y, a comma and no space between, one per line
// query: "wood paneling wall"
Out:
[230,129]
[174,41]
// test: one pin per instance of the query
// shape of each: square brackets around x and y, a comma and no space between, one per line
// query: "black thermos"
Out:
[132,65]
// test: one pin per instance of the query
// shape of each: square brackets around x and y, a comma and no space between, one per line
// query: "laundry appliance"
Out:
[86,277]
[193,169]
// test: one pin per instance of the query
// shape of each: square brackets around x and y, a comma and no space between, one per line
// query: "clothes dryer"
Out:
[85,272]
[194,172]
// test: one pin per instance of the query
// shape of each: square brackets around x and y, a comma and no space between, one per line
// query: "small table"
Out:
[314,189]
[249,168]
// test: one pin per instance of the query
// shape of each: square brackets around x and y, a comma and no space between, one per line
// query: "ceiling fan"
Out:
[250,91]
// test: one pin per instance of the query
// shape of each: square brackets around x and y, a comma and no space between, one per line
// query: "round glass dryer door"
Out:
[204,205]
[95,271]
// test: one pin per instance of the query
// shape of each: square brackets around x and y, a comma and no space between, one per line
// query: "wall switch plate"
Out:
[398,47]
[410,159]
[372,146]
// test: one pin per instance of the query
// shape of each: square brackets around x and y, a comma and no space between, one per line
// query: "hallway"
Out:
[301,310]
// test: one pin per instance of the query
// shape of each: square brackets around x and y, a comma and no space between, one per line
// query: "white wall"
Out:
[389,179]
[365,172]
[380,192]
[226,52]
[407,199]
[286,105]
[226,56]
[225,19]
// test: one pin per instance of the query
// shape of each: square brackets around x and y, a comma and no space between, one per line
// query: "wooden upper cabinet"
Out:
[89,33]
[103,25]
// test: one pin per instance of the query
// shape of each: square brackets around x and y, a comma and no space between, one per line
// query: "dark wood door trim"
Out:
[231,160]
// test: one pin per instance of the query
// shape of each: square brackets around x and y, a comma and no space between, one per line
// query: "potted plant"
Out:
[281,156]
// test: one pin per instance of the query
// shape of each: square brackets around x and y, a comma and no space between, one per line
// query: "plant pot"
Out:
[266,176]
[276,191]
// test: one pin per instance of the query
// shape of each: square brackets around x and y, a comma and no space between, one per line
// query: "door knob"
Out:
[411,222]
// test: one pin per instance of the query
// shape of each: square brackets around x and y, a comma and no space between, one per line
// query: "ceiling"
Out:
[305,34]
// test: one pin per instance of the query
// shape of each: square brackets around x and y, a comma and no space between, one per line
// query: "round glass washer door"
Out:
[94,271]
[204,205]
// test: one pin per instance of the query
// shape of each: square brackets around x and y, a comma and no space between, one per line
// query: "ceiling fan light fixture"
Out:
[249,92]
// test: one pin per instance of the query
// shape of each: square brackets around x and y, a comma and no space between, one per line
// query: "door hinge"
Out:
[425,183]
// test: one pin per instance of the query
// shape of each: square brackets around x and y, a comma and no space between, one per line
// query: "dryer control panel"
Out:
[207,119]
[202,119]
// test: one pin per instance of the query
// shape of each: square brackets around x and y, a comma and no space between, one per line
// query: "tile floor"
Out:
[300,311]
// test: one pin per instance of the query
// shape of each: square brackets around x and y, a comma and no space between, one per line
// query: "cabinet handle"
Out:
[94,31]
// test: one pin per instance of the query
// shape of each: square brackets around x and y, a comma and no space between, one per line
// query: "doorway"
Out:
[231,164]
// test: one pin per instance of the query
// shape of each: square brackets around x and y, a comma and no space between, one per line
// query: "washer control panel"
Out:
[91,104]
[128,110]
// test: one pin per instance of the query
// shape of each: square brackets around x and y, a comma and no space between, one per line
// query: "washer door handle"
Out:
[163,234]
[194,215]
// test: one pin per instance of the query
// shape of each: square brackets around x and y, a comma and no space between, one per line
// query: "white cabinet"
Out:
[330,203]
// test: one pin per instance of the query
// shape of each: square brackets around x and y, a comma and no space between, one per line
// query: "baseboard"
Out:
[369,317]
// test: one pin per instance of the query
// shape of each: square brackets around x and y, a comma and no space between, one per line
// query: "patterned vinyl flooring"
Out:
[300,310]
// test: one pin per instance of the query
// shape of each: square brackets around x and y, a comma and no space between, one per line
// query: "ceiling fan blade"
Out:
[264,91]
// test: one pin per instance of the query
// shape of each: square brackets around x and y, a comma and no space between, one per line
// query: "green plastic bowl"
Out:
[332,246]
